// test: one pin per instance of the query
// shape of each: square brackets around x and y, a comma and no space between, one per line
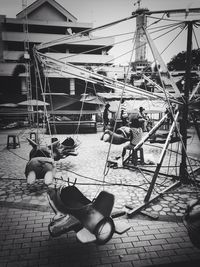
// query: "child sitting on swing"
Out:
[135,136]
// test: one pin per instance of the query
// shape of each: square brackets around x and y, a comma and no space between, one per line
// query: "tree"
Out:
[178,62]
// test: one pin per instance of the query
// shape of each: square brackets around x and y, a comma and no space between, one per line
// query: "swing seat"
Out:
[91,220]
[69,200]
[40,168]
[63,224]
[191,220]
[69,152]
[93,216]
[60,151]
[115,138]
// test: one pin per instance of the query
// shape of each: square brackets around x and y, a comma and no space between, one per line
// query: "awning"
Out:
[72,112]
[115,96]
[90,99]
[65,102]
[33,102]
[9,105]
[132,106]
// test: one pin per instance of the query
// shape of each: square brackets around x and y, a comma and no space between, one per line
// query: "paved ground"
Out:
[25,213]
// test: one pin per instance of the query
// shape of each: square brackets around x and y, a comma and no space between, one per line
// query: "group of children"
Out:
[133,125]
[126,120]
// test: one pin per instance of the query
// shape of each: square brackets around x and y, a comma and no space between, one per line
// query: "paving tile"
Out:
[111,259]
[122,264]
[170,246]
[175,240]
[163,236]
[25,237]
[182,258]
[148,255]
[117,252]
[146,237]
[158,241]
[162,260]
[136,250]
[163,253]
[184,251]
[130,257]
[126,245]
[142,263]
[130,239]
[142,243]
[154,248]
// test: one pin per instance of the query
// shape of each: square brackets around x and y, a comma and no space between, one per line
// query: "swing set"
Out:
[93,220]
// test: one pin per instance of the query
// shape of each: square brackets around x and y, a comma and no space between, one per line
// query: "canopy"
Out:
[91,99]
[33,102]
[71,102]
[132,106]
[9,105]
[116,96]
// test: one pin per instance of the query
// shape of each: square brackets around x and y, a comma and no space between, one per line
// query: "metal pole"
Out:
[164,150]
[152,131]
[195,123]
[184,121]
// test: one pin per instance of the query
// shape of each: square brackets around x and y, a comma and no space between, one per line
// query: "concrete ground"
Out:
[25,213]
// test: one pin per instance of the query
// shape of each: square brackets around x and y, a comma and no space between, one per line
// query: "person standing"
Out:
[105,116]
[124,114]
[142,119]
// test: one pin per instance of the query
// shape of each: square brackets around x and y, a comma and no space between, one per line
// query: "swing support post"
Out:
[184,121]
[195,123]
[148,195]
[135,211]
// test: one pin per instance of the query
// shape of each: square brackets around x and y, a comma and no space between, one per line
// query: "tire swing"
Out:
[104,230]
[192,222]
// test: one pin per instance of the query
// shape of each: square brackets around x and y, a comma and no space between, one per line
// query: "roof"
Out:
[35,5]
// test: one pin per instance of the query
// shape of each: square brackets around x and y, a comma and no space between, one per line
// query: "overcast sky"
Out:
[100,12]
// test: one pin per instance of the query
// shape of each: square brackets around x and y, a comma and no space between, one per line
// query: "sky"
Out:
[100,12]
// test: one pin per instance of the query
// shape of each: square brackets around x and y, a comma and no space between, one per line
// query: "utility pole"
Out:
[184,120]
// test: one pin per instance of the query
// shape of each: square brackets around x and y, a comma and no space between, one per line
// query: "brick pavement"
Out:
[24,217]
[25,241]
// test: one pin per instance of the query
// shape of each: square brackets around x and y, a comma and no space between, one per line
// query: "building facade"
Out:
[39,23]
